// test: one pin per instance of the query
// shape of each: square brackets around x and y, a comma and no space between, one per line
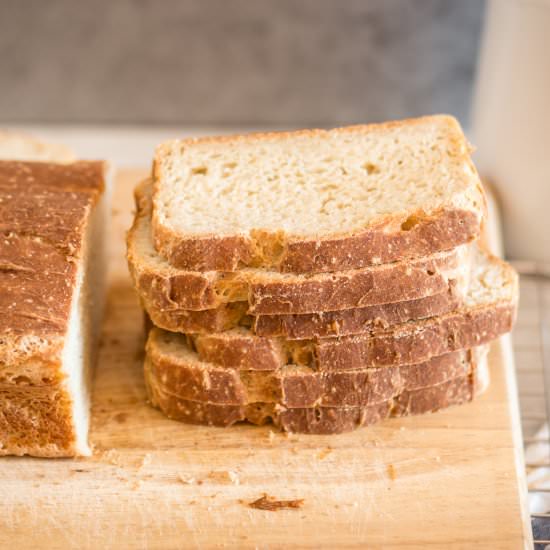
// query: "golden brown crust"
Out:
[164,287]
[406,343]
[372,386]
[36,421]
[239,351]
[316,420]
[44,212]
[49,201]
[414,342]
[203,321]
[356,320]
[306,325]
[387,283]
[403,281]
[331,420]
[36,282]
[211,253]
[394,240]
[193,380]
[185,290]
[391,241]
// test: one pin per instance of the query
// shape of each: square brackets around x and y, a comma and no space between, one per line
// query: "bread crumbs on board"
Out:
[187,480]
[271,504]
[324,453]
[224,477]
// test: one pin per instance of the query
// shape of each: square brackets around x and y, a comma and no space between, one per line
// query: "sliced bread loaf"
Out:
[315,200]
[51,272]
[318,420]
[171,361]
[166,288]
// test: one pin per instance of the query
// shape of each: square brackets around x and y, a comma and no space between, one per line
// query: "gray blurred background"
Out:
[236,62]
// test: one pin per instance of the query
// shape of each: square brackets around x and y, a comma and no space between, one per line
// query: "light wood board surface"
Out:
[453,479]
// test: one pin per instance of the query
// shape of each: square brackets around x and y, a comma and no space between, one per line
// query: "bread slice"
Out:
[326,324]
[179,368]
[51,294]
[17,146]
[319,419]
[315,201]
[167,288]
[488,312]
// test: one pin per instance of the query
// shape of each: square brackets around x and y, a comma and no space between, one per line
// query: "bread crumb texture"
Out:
[314,182]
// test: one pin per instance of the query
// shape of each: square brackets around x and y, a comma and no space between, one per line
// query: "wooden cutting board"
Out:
[454,479]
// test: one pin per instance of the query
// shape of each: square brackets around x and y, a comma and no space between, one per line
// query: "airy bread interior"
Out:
[314,182]
[80,349]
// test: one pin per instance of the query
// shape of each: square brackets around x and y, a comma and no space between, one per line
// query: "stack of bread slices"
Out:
[319,280]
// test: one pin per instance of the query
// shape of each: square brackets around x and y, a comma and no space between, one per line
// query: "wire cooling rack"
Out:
[532,353]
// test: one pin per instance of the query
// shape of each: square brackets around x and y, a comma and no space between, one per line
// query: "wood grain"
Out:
[448,480]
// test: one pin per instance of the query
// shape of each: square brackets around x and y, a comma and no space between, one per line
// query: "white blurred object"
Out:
[538,479]
[511,121]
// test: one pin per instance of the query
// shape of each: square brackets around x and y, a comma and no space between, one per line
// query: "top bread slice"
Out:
[316,200]
[51,223]
[165,287]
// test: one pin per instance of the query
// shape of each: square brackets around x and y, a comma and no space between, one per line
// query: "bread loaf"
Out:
[51,271]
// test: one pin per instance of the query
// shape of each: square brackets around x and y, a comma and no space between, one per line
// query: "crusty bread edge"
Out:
[318,420]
